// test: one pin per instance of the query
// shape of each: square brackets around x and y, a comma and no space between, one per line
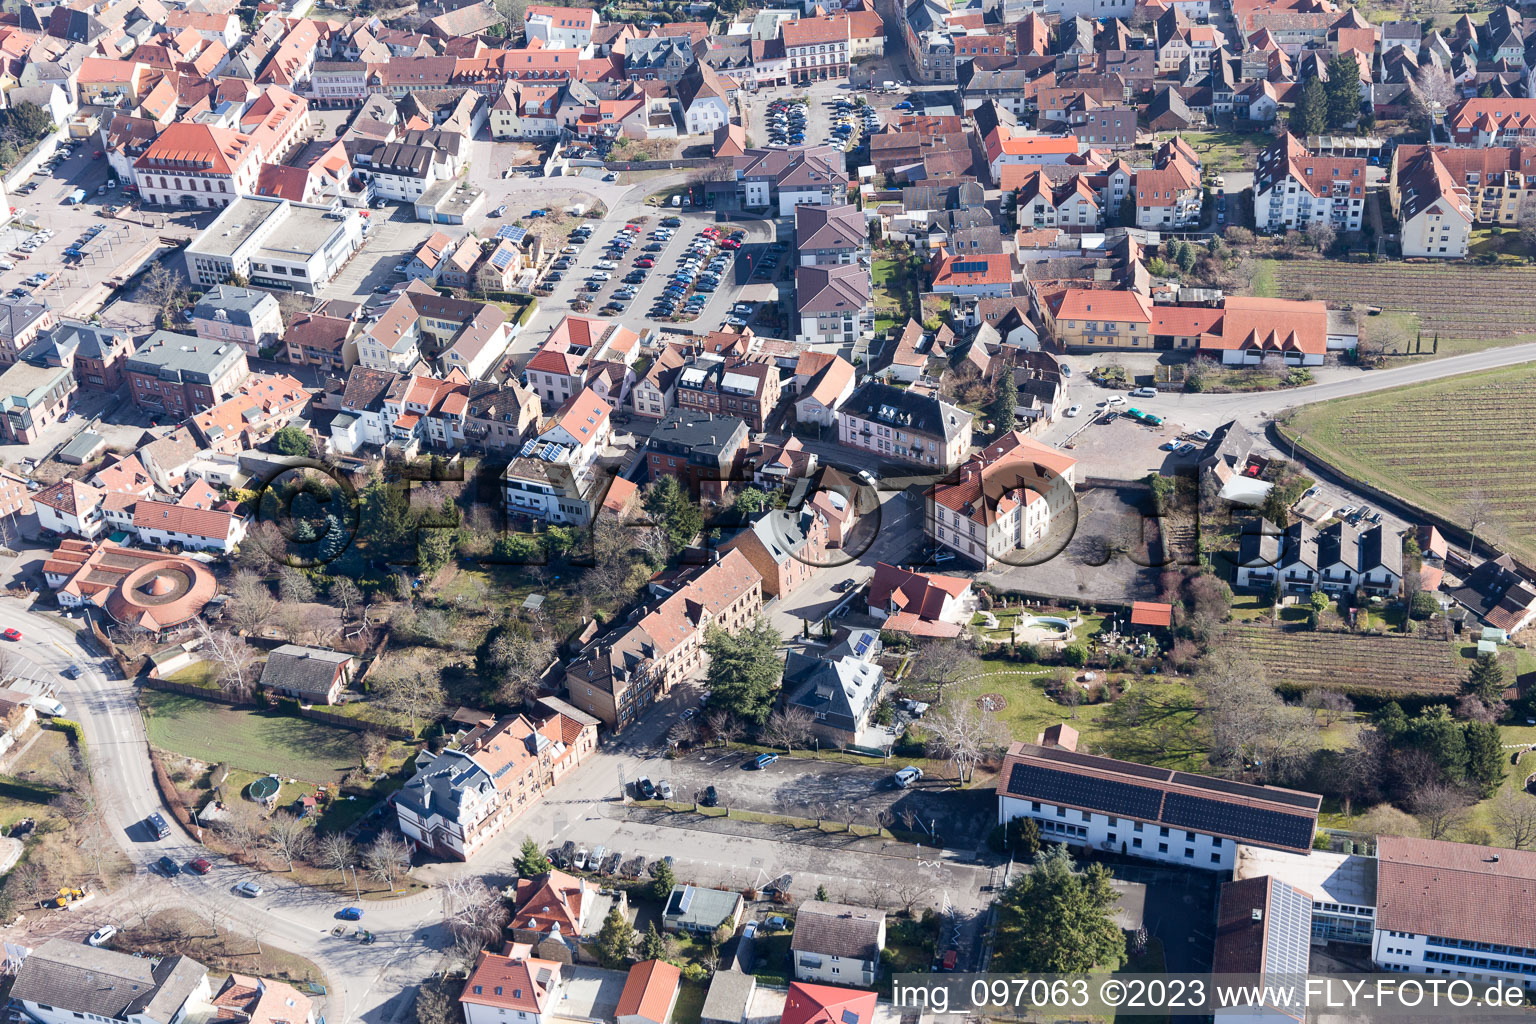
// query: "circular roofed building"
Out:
[162,593]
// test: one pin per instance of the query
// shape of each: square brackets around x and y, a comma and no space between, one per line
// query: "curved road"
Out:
[373,983]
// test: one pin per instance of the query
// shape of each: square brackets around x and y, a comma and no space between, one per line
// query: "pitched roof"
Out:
[827,1004]
[649,991]
[307,670]
[831,289]
[1455,890]
[838,929]
[923,594]
[1104,304]
[507,983]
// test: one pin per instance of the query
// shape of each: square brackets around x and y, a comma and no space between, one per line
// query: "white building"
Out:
[560,28]
[275,243]
[162,524]
[503,989]
[837,944]
[63,982]
[1141,811]
[1294,189]
[1003,500]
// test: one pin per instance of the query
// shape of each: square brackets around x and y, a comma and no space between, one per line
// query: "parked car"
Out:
[761,761]
[1144,393]
[664,790]
[350,913]
[711,798]
[201,865]
[907,776]
[168,867]
[1073,410]
[103,935]
[646,788]
[250,890]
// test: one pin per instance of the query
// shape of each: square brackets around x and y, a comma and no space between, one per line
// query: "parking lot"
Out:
[667,252]
[816,789]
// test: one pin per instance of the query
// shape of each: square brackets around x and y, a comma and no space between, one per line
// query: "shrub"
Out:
[72,730]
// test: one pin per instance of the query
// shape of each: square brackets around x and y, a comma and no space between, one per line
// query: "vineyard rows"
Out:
[1437,294]
[1363,665]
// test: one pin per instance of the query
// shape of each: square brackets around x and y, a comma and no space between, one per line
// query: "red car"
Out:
[647,262]
[730,243]
[12,635]
[202,865]
[97,155]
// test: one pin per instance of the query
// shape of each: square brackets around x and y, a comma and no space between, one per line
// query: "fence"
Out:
[200,692]
[658,165]
[394,732]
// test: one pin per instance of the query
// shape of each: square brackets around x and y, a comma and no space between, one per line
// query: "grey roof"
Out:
[243,306]
[783,533]
[16,315]
[729,994]
[653,53]
[690,905]
[1380,548]
[837,929]
[839,693]
[308,670]
[84,445]
[1260,544]
[898,407]
[1338,542]
[89,340]
[440,783]
[703,434]
[181,357]
[83,979]
[1301,547]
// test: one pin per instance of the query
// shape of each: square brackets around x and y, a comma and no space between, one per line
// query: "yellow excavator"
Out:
[65,897]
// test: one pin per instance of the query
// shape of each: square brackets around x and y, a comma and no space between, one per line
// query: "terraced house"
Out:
[903,425]
[818,47]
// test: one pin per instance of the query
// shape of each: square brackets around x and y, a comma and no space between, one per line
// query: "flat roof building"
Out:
[276,243]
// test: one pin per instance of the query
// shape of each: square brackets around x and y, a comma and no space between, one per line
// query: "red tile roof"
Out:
[506,983]
[1151,613]
[1104,304]
[650,991]
[1455,890]
[897,589]
[827,1004]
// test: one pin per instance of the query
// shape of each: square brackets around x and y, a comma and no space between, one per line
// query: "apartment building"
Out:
[176,375]
[1483,122]
[1294,189]
[699,448]
[819,47]
[905,426]
[573,353]
[833,304]
[1003,501]
[622,673]
[787,178]
[248,317]
[195,164]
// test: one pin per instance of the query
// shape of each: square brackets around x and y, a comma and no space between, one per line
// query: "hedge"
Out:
[73,730]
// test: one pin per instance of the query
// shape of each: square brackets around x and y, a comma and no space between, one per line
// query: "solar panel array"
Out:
[1255,824]
[969,266]
[1105,795]
[512,232]
[1145,771]
[865,639]
[1308,800]
[849,1017]
[501,257]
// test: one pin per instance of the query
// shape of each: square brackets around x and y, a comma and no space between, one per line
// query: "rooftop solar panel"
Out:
[1108,796]
[1108,764]
[1253,824]
[1310,801]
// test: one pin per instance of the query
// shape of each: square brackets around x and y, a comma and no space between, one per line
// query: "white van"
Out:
[677,200]
[47,706]
[1114,400]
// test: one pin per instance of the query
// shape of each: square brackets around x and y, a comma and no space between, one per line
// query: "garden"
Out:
[1384,666]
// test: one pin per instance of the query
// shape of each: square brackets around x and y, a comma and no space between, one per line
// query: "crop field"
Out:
[1438,443]
[1469,307]
[1359,665]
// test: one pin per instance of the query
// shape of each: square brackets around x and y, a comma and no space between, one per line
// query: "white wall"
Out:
[1085,828]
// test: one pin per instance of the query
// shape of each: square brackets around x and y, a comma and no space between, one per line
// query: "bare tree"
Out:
[1252,729]
[251,602]
[165,290]
[1332,704]
[1477,509]
[409,685]
[1440,808]
[337,852]
[239,825]
[941,662]
[789,727]
[289,836]
[473,911]
[375,744]
[960,733]
[232,657]
[387,858]
[684,733]
[726,727]
[519,656]
[1514,819]
[908,890]
[345,593]
[1434,90]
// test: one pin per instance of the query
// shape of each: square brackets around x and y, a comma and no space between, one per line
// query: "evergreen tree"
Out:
[1058,920]
[744,670]
[531,862]
[1390,721]
[678,515]
[1310,116]
[1485,679]
[1485,757]
[1343,91]
[749,503]
[1186,257]
[821,894]
[616,939]
[1441,737]
[662,883]
[1000,408]
[653,946]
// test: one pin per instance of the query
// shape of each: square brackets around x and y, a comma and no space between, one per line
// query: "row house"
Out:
[1502,121]
[189,523]
[819,48]
[1002,501]
[622,673]
[786,548]
[654,394]
[659,59]
[1338,559]
[830,235]
[1294,189]
[729,387]
[699,448]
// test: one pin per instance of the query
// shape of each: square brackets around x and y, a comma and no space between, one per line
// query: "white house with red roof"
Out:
[1493,121]
[195,164]
[922,604]
[506,988]
[71,508]
[1004,148]
[552,477]
[1293,189]
[985,274]
[561,28]
[1003,500]
[807,1003]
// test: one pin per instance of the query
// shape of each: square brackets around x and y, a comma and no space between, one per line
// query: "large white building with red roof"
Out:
[194,164]
[503,988]
[1293,189]
[1003,500]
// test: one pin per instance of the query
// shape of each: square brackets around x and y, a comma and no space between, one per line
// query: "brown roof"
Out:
[650,990]
[511,983]
[1455,890]
[837,929]
[197,522]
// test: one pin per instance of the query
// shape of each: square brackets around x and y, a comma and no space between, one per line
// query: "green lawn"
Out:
[1224,151]
[256,741]
[1166,732]
[690,1003]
